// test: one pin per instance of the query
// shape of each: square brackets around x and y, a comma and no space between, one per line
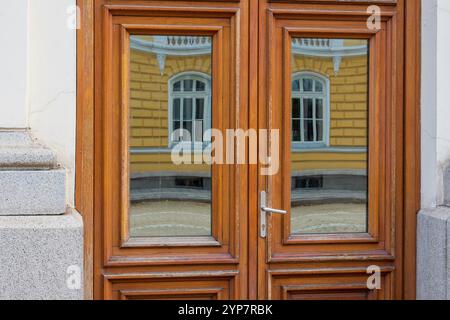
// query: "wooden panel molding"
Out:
[327,284]
[171,286]
[339,2]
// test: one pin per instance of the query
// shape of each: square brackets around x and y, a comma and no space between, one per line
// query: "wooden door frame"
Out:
[84,186]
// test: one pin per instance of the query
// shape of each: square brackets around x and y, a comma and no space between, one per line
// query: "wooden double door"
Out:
[251,149]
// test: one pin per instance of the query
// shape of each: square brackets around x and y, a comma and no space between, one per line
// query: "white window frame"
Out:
[207,117]
[296,145]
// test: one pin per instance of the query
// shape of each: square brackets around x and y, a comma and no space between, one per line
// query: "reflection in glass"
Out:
[170,105]
[329,136]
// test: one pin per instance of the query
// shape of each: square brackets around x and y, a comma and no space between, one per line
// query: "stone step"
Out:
[20,151]
[30,181]
[447,186]
[32,192]
[433,254]
[41,257]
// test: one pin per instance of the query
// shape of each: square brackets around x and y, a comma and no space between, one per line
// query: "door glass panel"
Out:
[330,136]
[170,83]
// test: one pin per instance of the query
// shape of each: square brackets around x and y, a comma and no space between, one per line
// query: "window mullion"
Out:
[314,121]
[302,125]
[194,119]
[182,119]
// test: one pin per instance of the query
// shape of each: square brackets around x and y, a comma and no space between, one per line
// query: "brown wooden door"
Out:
[326,87]
[166,230]
[330,83]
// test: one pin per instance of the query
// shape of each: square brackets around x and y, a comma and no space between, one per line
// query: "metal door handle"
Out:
[271,210]
[264,211]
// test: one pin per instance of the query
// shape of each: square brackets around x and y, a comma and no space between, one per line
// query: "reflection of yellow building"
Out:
[150,107]
[170,89]
[332,156]
[347,114]
[346,123]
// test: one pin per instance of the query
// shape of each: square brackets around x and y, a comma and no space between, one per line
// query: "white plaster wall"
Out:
[443,87]
[13,64]
[435,99]
[428,108]
[52,80]
[38,74]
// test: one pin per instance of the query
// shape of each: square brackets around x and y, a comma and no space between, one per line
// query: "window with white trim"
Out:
[310,110]
[189,108]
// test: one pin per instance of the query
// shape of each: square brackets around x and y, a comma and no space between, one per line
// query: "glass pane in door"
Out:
[329,136]
[170,109]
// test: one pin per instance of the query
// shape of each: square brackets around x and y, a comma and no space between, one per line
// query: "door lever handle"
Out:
[264,211]
[271,210]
